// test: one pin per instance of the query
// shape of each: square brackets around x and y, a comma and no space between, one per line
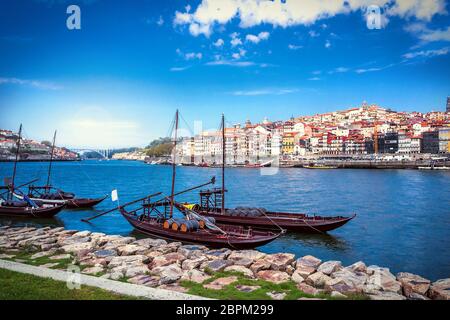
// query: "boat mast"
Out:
[47,186]
[174,165]
[15,163]
[223,163]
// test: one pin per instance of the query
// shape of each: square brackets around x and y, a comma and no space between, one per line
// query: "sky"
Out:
[118,80]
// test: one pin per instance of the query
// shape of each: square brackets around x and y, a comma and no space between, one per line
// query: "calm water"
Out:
[403,217]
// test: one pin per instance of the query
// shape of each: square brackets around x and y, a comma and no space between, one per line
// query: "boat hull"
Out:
[27,212]
[75,203]
[198,237]
[289,221]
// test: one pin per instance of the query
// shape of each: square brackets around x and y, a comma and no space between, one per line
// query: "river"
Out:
[403,216]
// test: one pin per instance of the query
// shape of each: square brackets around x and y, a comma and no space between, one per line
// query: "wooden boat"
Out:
[317,166]
[259,165]
[262,219]
[50,195]
[156,218]
[212,204]
[26,208]
[234,237]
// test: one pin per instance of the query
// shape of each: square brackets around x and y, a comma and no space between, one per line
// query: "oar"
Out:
[124,205]
[22,185]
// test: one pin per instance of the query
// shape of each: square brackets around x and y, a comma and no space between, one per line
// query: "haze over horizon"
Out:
[118,80]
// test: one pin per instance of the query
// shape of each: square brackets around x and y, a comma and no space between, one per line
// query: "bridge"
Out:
[103,153]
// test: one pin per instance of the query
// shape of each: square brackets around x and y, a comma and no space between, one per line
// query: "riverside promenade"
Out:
[194,269]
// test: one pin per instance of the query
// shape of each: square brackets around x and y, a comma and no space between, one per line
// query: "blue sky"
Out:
[118,80]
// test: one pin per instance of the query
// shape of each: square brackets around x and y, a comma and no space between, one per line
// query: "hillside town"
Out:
[31,150]
[365,130]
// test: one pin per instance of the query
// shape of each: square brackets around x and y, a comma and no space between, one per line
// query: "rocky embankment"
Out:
[157,263]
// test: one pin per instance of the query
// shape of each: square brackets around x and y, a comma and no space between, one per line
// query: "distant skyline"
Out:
[118,80]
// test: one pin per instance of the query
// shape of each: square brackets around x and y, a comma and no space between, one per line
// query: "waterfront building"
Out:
[448,104]
[444,140]
[288,143]
[390,142]
[430,142]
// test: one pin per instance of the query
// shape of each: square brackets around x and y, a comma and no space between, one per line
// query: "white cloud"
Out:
[219,43]
[257,38]
[314,79]
[427,53]
[44,85]
[160,21]
[178,69]
[235,40]
[313,34]
[327,44]
[291,13]
[234,63]
[339,70]
[190,55]
[294,47]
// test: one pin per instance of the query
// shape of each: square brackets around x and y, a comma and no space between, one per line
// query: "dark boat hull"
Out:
[288,221]
[83,203]
[27,212]
[198,237]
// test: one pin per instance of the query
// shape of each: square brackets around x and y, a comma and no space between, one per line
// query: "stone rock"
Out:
[307,265]
[192,251]
[220,283]
[78,247]
[382,295]
[6,256]
[150,243]
[167,259]
[382,279]
[307,289]
[49,265]
[260,265]
[173,287]
[440,290]
[42,254]
[81,234]
[241,269]
[48,246]
[280,261]
[318,280]
[358,267]
[416,296]
[220,254]
[190,264]
[245,262]
[276,295]
[136,270]
[413,283]
[196,276]
[297,278]
[142,279]
[131,249]
[308,261]
[342,286]
[337,294]
[168,274]
[273,276]
[246,254]
[346,281]
[60,257]
[105,253]
[73,240]
[92,270]
[329,267]
[127,260]
[218,265]
[245,288]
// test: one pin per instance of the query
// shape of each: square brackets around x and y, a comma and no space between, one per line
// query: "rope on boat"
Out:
[282,230]
[312,227]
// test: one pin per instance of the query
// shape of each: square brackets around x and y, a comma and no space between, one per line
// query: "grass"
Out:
[24,256]
[19,286]
[230,292]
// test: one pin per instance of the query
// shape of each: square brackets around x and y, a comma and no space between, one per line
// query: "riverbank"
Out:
[223,274]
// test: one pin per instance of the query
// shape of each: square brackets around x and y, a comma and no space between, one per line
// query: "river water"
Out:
[403,216]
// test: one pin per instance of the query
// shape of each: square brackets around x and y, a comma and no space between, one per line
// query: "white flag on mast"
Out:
[114,195]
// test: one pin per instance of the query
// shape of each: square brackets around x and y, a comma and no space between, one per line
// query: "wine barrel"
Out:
[189,226]
[202,222]
[177,224]
[168,223]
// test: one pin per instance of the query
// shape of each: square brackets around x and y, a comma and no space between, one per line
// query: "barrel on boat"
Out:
[177,223]
[189,225]
[168,223]
[202,222]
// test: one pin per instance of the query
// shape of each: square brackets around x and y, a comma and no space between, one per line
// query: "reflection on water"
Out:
[403,219]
